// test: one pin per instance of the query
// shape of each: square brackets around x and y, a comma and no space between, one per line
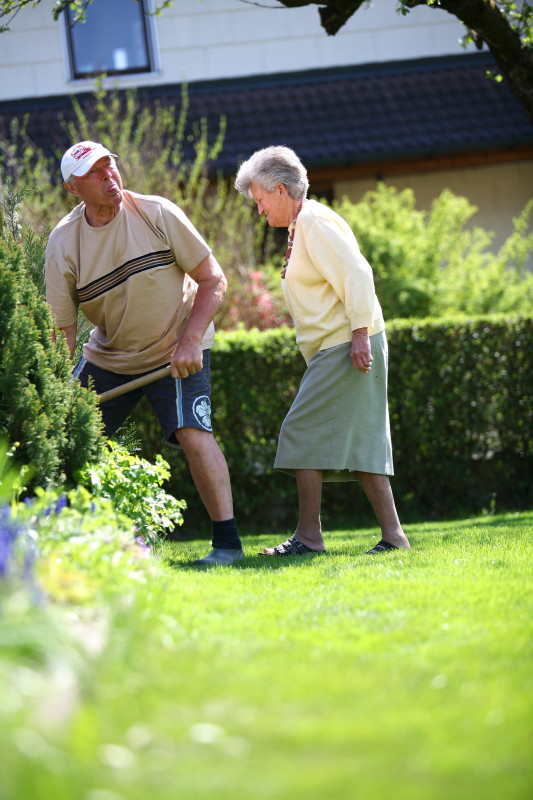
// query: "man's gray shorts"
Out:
[177,402]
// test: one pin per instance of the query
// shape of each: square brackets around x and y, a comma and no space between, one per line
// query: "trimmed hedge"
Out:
[461,414]
[460,398]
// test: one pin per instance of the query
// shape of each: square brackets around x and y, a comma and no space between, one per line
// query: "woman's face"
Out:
[277,206]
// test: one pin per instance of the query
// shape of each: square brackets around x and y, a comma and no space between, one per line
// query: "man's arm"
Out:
[70,335]
[212,284]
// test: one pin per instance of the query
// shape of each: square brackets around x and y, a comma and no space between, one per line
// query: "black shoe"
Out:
[292,547]
[220,555]
[382,547]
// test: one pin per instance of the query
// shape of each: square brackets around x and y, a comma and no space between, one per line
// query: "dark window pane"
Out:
[113,39]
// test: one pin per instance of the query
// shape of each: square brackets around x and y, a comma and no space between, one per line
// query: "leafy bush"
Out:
[433,264]
[260,305]
[134,487]
[68,544]
[462,418]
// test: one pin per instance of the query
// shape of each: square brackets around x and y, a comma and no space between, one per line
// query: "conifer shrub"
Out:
[55,422]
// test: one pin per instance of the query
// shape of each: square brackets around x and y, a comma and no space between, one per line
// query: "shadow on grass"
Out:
[265,563]
[275,563]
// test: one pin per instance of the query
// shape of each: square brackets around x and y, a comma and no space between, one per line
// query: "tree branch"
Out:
[337,12]
[13,7]
[333,13]
[485,19]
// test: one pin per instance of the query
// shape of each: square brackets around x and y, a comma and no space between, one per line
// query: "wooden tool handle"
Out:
[136,383]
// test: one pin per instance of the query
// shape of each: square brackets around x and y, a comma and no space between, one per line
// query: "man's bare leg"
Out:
[209,471]
[210,474]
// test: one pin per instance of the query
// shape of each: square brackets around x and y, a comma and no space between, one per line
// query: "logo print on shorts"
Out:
[202,411]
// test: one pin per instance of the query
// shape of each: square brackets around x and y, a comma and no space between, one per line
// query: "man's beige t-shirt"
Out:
[130,279]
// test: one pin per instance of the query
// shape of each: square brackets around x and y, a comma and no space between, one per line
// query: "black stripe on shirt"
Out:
[107,282]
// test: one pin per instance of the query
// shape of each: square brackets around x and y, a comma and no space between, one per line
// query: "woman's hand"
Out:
[360,353]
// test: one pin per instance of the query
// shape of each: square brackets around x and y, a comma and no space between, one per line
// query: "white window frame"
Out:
[128,77]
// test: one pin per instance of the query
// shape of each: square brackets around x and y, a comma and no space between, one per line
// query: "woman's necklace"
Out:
[290,241]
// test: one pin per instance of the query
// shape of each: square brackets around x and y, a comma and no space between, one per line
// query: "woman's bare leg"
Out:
[379,492]
[309,528]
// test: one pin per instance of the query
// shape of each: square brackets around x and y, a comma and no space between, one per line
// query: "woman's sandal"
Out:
[382,547]
[292,547]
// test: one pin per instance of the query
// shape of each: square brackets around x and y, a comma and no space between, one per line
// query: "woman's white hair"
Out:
[270,166]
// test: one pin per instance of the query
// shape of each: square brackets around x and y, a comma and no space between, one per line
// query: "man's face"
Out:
[101,187]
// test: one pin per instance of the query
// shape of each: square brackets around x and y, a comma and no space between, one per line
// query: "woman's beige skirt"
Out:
[339,420]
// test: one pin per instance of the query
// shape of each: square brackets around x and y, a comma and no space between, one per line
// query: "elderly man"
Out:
[144,277]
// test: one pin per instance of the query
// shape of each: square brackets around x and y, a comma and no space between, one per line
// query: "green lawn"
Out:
[406,675]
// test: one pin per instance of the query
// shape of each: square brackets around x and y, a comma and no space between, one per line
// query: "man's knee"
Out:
[193,439]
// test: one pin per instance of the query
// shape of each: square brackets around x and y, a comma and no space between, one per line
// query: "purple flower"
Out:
[18,552]
[141,542]
[9,530]
[61,503]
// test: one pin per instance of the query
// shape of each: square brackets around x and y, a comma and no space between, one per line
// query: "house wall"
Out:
[226,39]
[500,192]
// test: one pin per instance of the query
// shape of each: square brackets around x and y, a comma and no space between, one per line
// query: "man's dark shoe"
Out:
[220,555]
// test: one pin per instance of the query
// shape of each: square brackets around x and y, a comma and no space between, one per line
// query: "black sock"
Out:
[225,535]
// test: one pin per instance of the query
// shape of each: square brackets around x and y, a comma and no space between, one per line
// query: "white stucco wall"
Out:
[500,192]
[210,39]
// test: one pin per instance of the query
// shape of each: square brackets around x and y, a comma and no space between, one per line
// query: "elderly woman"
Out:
[337,428]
